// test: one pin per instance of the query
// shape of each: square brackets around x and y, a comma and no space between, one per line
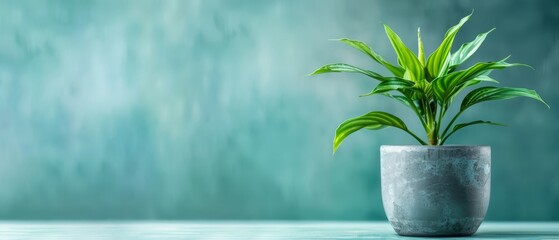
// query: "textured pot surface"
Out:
[435,190]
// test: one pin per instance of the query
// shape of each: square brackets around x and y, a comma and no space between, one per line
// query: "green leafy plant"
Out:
[427,87]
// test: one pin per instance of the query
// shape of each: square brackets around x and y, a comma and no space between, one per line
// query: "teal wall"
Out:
[202,109]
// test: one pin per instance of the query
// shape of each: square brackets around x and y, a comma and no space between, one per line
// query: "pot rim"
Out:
[449,146]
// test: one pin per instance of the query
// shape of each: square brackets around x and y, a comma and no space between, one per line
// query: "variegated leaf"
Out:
[362,47]
[438,61]
[406,57]
[497,93]
[342,67]
[373,121]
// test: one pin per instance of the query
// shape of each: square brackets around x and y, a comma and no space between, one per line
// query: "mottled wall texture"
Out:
[202,109]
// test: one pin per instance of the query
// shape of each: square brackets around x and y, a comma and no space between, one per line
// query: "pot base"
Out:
[448,228]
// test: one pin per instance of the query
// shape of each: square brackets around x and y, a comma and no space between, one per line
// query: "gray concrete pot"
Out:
[435,190]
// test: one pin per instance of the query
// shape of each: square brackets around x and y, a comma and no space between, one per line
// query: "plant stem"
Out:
[432,138]
[450,124]
[431,123]
[439,123]
[445,138]
[416,137]
[414,108]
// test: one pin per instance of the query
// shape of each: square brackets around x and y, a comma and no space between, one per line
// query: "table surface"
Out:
[250,230]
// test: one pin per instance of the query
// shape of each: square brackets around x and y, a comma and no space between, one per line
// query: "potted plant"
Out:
[431,189]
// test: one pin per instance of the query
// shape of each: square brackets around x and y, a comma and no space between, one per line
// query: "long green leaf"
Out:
[474,81]
[437,63]
[484,78]
[406,101]
[362,47]
[402,99]
[444,87]
[390,85]
[372,120]
[467,50]
[342,67]
[497,93]
[406,57]
[420,51]
[463,125]
[481,78]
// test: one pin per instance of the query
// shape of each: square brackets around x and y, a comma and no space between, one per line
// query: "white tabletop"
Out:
[249,230]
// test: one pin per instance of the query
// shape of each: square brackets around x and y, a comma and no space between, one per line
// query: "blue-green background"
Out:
[203,110]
